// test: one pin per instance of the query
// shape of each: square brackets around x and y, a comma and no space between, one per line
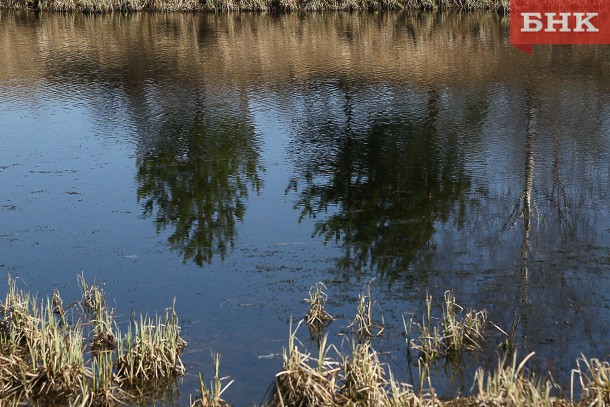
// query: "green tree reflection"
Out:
[379,187]
[197,179]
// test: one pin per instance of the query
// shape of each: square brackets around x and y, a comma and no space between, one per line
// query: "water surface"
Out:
[232,161]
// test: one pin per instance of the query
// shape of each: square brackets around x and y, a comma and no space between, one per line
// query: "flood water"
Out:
[233,161]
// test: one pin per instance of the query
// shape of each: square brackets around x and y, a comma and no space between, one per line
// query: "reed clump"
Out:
[363,322]
[512,385]
[100,317]
[150,351]
[356,379]
[49,353]
[457,331]
[317,318]
[360,378]
[305,380]
[364,379]
[57,360]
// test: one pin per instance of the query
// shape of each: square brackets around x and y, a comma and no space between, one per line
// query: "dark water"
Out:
[232,161]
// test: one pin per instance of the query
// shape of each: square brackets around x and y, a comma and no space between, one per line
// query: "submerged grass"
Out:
[101,6]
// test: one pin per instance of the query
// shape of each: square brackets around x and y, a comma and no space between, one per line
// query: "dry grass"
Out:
[512,385]
[94,305]
[150,351]
[430,342]
[105,6]
[212,396]
[317,318]
[359,378]
[363,322]
[20,317]
[462,333]
[50,356]
[44,359]
[364,380]
[304,380]
[356,379]
[594,378]
[57,360]
[449,336]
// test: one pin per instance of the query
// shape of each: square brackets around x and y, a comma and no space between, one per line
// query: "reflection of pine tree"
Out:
[380,186]
[198,177]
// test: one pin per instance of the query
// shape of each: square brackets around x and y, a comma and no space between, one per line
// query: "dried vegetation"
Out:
[51,353]
[76,355]
[360,378]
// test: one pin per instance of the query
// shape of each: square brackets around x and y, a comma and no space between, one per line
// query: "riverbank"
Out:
[107,6]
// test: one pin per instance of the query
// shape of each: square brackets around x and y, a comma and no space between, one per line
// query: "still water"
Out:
[232,161]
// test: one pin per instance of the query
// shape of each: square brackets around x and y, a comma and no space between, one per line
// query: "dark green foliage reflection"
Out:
[378,186]
[196,180]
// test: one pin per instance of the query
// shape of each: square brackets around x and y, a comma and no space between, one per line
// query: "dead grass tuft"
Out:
[151,350]
[449,336]
[305,381]
[212,396]
[317,318]
[363,322]
[364,380]
[44,352]
[594,378]
[512,385]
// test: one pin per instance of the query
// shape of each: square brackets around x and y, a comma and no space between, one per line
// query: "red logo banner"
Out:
[559,22]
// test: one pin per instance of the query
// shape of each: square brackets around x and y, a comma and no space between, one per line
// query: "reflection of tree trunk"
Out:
[558,194]
[529,180]
[526,213]
[431,153]
[347,139]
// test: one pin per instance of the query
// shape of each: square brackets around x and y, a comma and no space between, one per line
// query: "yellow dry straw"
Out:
[212,396]
[44,354]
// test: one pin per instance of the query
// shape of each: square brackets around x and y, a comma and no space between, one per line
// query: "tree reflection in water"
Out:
[378,186]
[196,179]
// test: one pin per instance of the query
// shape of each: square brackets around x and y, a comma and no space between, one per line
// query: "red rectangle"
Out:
[559,22]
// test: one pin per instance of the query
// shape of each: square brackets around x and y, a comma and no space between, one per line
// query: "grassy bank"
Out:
[76,354]
[104,6]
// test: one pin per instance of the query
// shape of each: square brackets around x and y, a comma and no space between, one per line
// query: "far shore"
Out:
[108,6]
